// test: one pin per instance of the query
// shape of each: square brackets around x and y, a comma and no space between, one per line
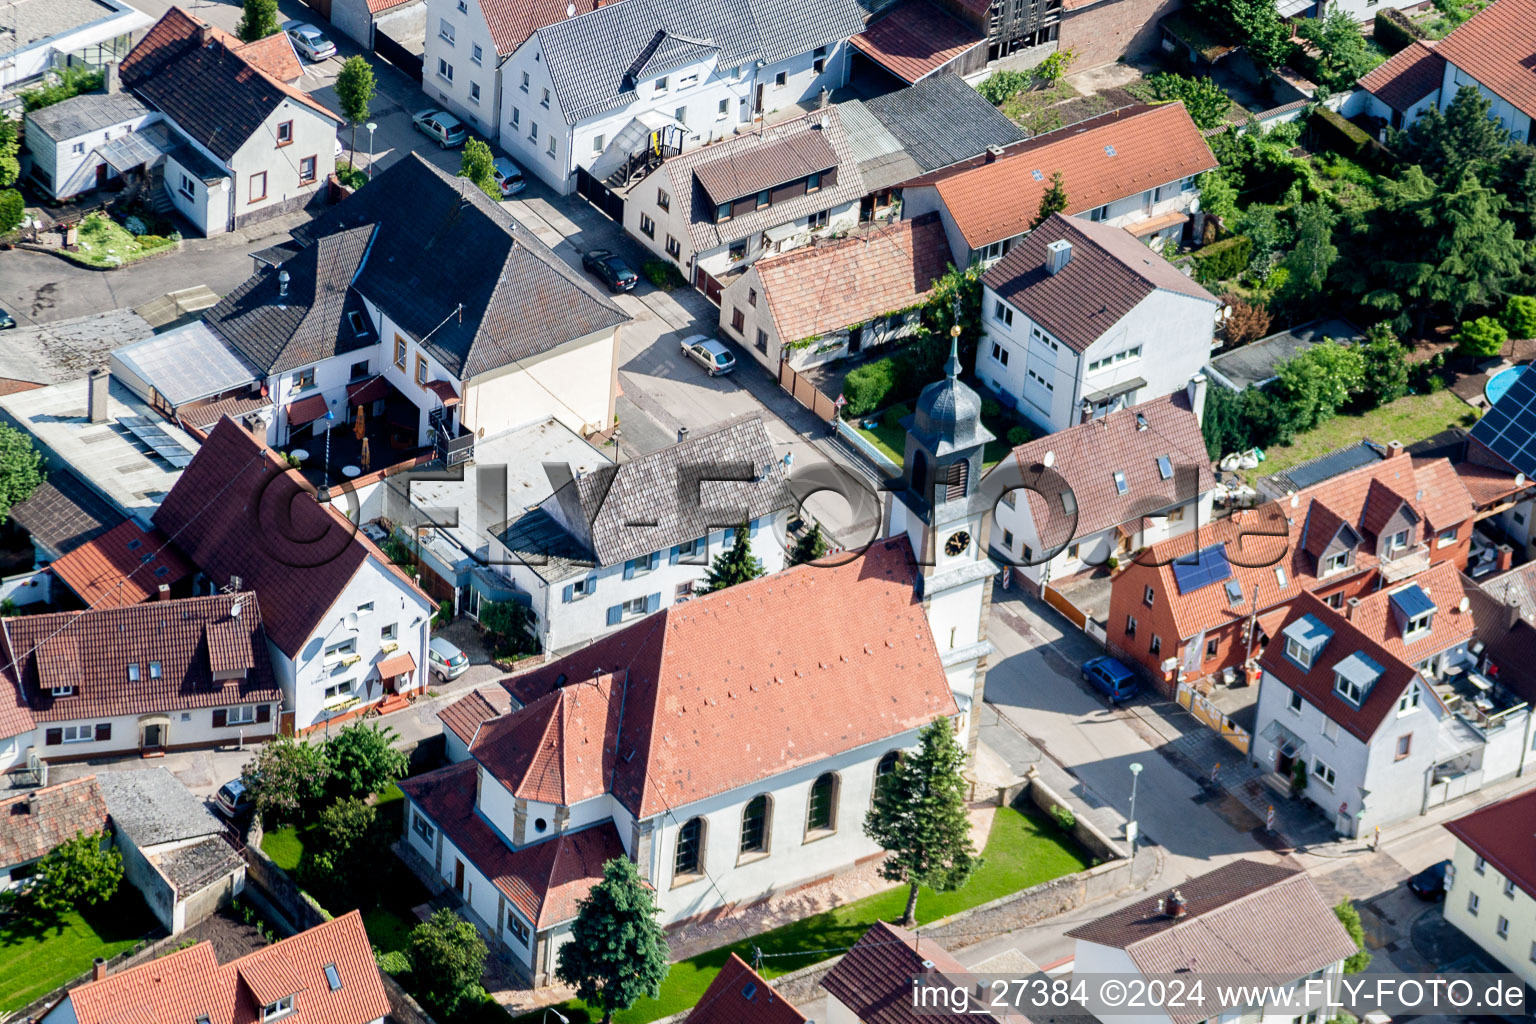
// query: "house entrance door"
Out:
[458,876]
[855,339]
[154,736]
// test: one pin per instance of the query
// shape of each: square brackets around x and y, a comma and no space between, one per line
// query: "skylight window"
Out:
[1109,150]
[154,670]
[1038,175]
[1069,503]
[332,977]
[1280,576]
[1164,467]
[133,672]
[1234,593]
[1121,486]
[359,325]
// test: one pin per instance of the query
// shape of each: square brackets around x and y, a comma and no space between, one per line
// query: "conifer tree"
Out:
[1053,201]
[810,547]
[736,564]
[617,953]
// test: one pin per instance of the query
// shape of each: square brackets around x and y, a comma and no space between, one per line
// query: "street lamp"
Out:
[1130,826]
[370,126]
[330,419]
[562,1018]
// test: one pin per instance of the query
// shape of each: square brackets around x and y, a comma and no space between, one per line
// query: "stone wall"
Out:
[1084,831]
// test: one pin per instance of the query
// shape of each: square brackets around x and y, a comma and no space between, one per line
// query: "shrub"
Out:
[1002,86]
[72,82]
[1335,132]
[12,209]
[1064,817]
[663,274]
[1482,337]
[1018,435]
[868,387]
[1349,917]
[153,241]
[1395,30]
[351,177]
[1246,322]
[1223,260]
[1520,316]
[991,408]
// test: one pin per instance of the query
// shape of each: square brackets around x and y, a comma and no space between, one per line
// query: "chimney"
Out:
[1506,557]
[823,98]
[993,152]
[112,79]
[1057,255]
[1394,449]
[1087,413]
[164,593]
[682,434]
[205,35]
[1511,610]
[1175,906]
[1350,607]
[98,969]
[1195,390]
[97,383]
[282,284]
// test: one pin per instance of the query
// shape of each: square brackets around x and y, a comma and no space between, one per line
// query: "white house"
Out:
[1246,919]
[327,973]
[588,564]
[1133,168]
[1081,319]
[344,626]
[1105,488]
[1490,889]
[615,88]
[64,137]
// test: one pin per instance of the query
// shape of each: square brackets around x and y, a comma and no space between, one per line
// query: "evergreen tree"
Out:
[919,818]
[810,547]
[1053,201]
[259,20]
[617,952]
[1462,137]
[355,88]
[1312,254]
[1386,367]
[736,564]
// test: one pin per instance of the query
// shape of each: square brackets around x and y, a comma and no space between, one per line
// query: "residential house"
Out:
[1491,887]
[1106,488]
[1498,466]
[402,22]
[835,297]
[152,677]
[1081,320]
[1502,610]
[210,125]
[19,762]
[419,301]
[1133,168]
[45,35]
[175,851]
[728,820]
[739,995]
[873,983]
[344,626]
[1206,926]
[34,822]
[126,565]
[1377,524]
[619,542]
[324,974]
[62,514]
[1408,83]
[911,41]
[1381,707]
[640,80]
[463,719]
[941,121]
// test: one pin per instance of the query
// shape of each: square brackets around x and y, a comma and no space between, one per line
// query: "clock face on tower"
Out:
[957,543]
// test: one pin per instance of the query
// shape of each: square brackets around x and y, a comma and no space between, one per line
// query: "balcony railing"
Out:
[454,450]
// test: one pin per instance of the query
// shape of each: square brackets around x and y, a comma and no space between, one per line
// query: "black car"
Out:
[6,320]
[610,266]
[1429,884]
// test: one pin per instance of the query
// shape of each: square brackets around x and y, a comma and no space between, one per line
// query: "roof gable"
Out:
[873,979]
[1501,834]
[1407,77]
[739,995]
[1497,47]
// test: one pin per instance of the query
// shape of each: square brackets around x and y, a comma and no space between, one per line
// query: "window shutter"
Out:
[673,555]
[752,528]
[629,570]
[653,602]
[615,613]
[220,717]
[264,712]
[54,737]
[591,582]
[569,591]
[103,731]
[655,559]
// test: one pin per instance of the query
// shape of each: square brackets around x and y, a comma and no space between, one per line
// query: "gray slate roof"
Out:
[589,56]
[942,121]
[153,807]
[417,242]
[81,115]
[63,513]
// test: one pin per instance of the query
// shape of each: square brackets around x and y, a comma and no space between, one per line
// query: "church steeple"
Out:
[945,439]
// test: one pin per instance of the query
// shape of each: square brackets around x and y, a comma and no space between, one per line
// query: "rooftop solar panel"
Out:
[1329,466]
[1509,428]
[1201,569]
[159,442]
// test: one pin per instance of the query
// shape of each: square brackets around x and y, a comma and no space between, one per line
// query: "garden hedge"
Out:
[1224,260]
[869,387]
[1394,31]
[1333,131]
[12,209]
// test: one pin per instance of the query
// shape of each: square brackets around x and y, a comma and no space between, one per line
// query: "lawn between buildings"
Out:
[1024,848]
[102,242]
[36,958]
[890,436]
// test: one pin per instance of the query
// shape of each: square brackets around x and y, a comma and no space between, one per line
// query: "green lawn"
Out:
[35,959]
[890,437]
[284,846]
[1409,419]
[1024,848]
[105,243]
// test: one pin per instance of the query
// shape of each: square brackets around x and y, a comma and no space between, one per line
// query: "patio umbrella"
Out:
[363,457]
[359,425]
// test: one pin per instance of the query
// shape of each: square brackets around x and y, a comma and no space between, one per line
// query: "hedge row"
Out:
[1395,31]
[1335,132]
[1223,260]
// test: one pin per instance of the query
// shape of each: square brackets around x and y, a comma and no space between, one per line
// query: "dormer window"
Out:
[1336,561]
[1414,610]
[1305,639]
[1354,676]
[1399,541]
[1298,653]
[282,1008]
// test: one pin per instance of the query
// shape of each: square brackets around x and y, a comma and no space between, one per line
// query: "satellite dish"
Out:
[1519,479]
[1049,460]
[351,620]
[234,610]
[1295,499]
[570,10]
[1463,605]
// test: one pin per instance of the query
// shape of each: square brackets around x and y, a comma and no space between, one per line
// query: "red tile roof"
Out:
[1498,48]
[914,39]
[560,749]
[238,510]
[15,717]
[739,995]
[1504,834]
[92,651]
[189,984]
[275,56]
[1088,455]
[1152,145]
[466,715]
[34,822]
[1442,495]
[125,565]
[1486,485]
[1409,76]
[818,289]
[513,21]
[544,880]
[874,978]
[744,683]
[1316,684]
[1450,626]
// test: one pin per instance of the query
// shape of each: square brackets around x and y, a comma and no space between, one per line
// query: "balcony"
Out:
[453,449]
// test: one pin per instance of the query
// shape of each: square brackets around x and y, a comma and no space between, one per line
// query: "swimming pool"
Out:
[1500,382]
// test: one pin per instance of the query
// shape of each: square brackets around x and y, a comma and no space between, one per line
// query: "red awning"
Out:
[399,665]
[444,391]
[306,410]
[366,391]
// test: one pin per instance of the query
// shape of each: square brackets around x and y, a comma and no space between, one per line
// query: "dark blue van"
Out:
[1111,678]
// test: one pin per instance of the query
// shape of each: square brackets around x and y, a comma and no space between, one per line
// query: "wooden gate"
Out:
[398,55]
[601,196]
[805,392]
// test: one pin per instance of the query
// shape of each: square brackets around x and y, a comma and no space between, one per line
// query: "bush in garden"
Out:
[1224,260]
[1482,337]
[867,387]
[1520,316]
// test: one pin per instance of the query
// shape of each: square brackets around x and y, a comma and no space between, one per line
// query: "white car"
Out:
[311,42]
[508,178]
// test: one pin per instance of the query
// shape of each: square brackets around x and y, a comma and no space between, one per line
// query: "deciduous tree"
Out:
[1482,337]
[363,759]
[259,20]
[617,952]
[20,469]
[1316,382]
[354,88]
[1342,54]
[1386,367]
[1218,196]
[78,870]
[10,146]
[447,958]
[477,164]
[1349,917]
[1207,103]
[1520,316]
[285,778]
[1245,322]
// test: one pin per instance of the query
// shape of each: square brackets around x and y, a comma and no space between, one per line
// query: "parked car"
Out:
[610,266]
[311,42]
[441,127]
[232,800]
[6,321]
[1429,884]
[1111,678]
[448,662]
[508,178]
[710,354]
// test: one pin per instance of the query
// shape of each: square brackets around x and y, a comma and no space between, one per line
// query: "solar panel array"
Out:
[187,364]
[1331,465]
[1201,569]
[159,442]
[1509,428]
